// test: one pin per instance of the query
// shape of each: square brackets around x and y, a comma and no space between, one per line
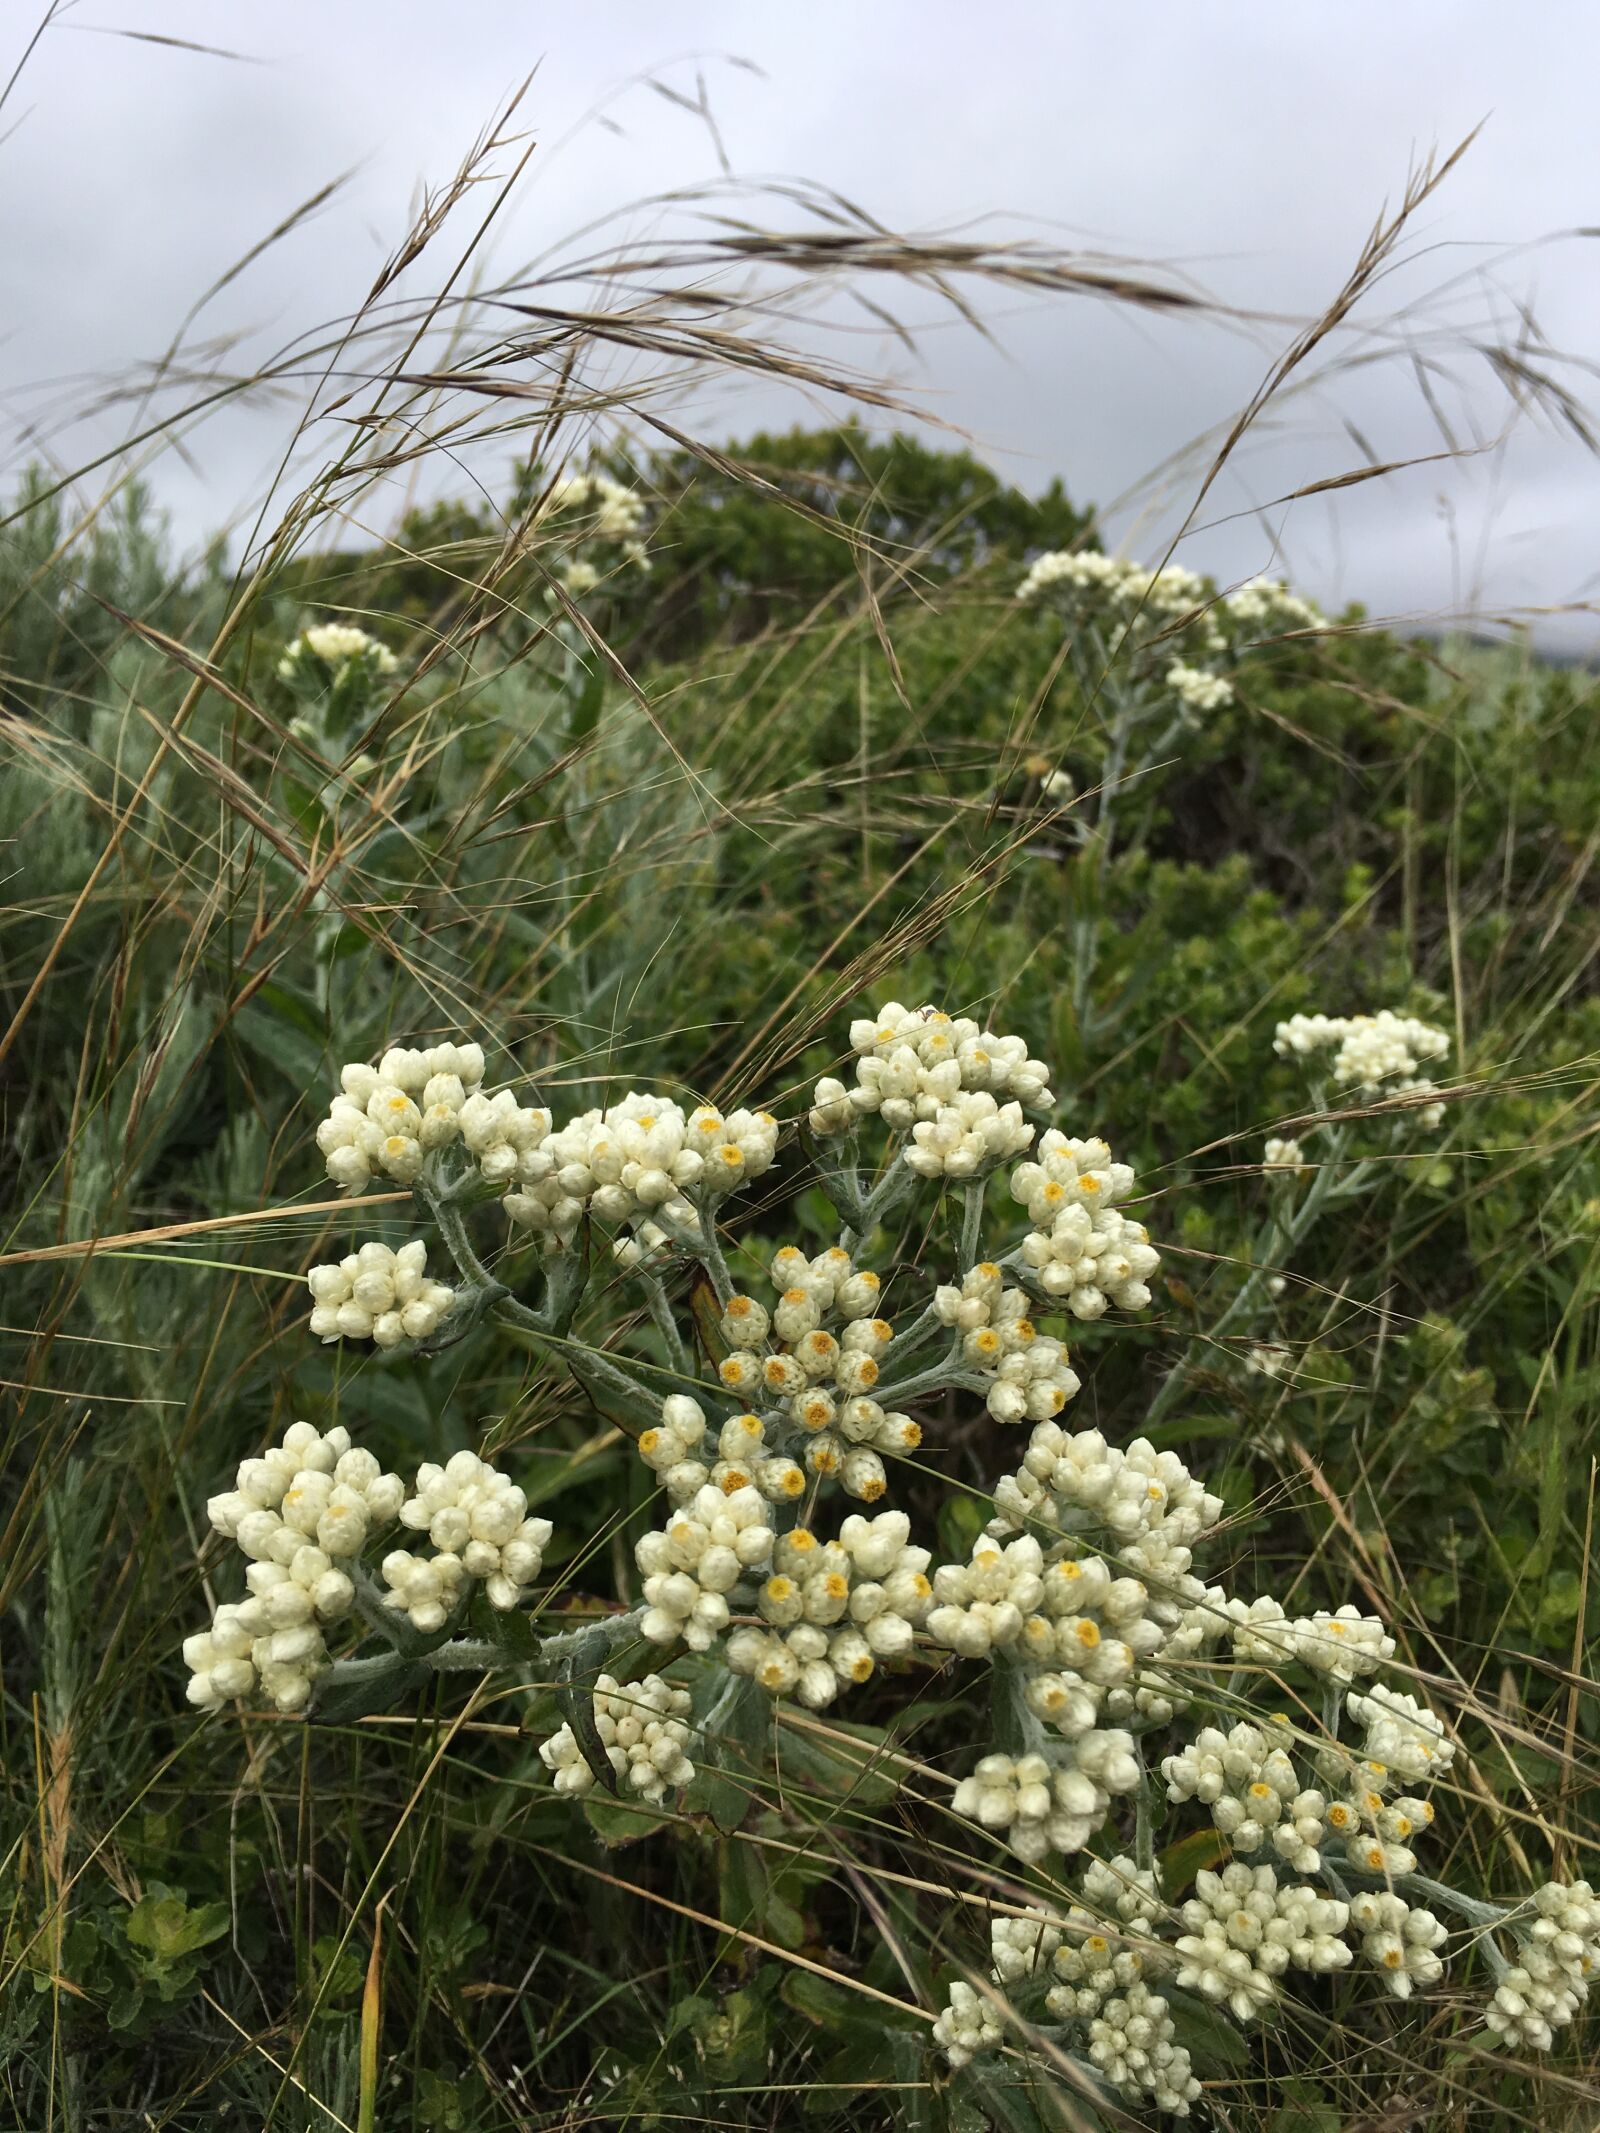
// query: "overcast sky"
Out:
[1249,147]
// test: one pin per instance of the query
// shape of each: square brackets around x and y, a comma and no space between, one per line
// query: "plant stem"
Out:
[972,1194]
[664,1322]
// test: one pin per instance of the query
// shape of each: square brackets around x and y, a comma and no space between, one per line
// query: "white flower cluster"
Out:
[388,1117]
[644,1728]
[299,1512]
[1087,581]
[1099,1979]
[744,1459]
[834,1608]
[1402,1735]
[1153,1508]
[619,511]
[1079,1633]
[478,1523]
[1133,2043]
[812,1362]
[692,1564]
[635,1162]
[956,1088]
[966,2027]
[335,644]
[1399,1939]
[1379,1055]
[1558,1955]
[1243,1929]
[1266,603]
[1091,1965]
[1343,1646]
[1376,1831]
[1082,1250]
[1286,1156]
[380,1295]
[1249,1781]
[1027,1372]
[1197,689]
[1048,1807]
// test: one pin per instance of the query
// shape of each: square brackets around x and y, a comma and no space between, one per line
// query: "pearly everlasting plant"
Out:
[1131,1692]
[605,523]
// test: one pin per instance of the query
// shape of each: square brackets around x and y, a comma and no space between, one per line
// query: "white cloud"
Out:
[1253,148]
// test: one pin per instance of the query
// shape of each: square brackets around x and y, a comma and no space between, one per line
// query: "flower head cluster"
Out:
[1402,1735]
[1249,1781]
[1088,583]
[1197,689]
[1263,604]
[832,1609]
[956,1088]
[376,1294]
[644,1728]
[1377,1832]
[1286,1157]
[477,1521]
[298,1514]
[1044,1806]
[1153,1508]
[1098,1956]
[1558,1955]
[1399,1939]
[1082,1251]
[388,1117]
[637,1159]
[1026,1373]
[1133,2043]
[619,512]
[810,1367]
[334,645]
[1376,1055]
[692,1564]
[966,2027]
[1243,1929]
[1342,1646]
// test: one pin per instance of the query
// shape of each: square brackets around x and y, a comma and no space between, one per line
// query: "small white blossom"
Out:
[379,1295]
[967,2026]
[474,1514]
[1402,1734]
[922,1067]
[692,1564]
[1027,1373]
[1044,1807]
[1261,604]
[1374,1055]
[1248,1780]
[335,644]
[1196,689]
[1132,2042]
[389,1117]
[1021,1947]
[644,1728]
[1243,1929]
[1400,1940]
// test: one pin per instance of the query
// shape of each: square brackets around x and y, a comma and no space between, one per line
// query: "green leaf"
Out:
[1202,1849]
[619,1822]
[163,1925]
[1213,2042]
[337,1702]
